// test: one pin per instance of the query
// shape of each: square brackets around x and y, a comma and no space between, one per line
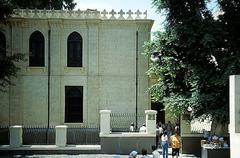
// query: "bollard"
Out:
[16,136]
[61,135]
[105,121]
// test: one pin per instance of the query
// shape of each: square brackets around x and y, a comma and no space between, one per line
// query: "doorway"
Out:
[159,107]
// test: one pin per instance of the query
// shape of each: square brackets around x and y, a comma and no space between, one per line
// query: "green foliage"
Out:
[8,69]
[6,9]
[195,56]
[41,4]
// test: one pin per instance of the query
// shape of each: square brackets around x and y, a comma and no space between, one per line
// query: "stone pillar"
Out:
[234,126]
[91,62]
[185,124]
[151,121]
[15,136]
[61,135]
[105,121]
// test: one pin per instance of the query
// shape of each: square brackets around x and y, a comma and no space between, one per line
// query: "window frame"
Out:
[4,44]
[71,115]
[74,50]
[36,49]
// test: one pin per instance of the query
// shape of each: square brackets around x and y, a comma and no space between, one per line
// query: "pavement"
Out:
[81,156]
[70,151]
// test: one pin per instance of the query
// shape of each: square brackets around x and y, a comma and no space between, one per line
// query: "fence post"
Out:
[61,135]
[105,121]
[16,136]
[151,121]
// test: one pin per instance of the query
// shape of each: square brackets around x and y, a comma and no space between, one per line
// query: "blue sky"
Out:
[125,5]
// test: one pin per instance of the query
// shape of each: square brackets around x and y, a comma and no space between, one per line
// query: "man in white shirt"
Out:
[131,129]
[143,128]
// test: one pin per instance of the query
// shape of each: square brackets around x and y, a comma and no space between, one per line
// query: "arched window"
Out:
[73,104]
[36,49]
[74,50]
[2,44]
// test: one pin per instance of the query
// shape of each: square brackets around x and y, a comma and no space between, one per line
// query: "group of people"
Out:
[155,153]
[166,136]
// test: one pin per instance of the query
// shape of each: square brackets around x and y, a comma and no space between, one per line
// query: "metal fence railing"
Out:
[83,136]
[42,135]
[120,122]
[4,135]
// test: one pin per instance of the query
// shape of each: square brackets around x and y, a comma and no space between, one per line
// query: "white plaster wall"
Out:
[34,98]
[107,75]
[234,86]
[118,68]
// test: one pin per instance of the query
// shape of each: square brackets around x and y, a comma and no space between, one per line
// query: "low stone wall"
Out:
[191,144]
[215,153]
[124,143]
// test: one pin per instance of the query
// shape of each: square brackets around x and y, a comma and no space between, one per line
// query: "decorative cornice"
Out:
[79,14]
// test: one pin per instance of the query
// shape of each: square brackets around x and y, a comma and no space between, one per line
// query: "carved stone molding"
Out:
[79,14]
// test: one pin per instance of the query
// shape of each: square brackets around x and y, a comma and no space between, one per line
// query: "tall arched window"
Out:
[36,49]
[73,104]
[74,50]
[2,44]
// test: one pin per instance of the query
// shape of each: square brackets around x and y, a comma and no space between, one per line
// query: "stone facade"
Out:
[108,74]
[234,113]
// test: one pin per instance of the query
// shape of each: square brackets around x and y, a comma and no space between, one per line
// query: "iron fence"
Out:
[43,135]
[4,135]
[83,136]
[120,122]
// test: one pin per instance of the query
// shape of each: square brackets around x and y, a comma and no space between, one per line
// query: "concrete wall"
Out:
[124,144]
[107,76]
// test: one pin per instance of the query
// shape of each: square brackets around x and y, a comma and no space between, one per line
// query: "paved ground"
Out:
[80,156]
[82,147]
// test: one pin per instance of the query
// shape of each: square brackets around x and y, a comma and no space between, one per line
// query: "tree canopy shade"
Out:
[194,56]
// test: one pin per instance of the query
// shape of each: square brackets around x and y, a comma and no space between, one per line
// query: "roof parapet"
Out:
[80,14]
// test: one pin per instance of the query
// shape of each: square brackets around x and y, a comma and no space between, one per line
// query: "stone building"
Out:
[78,62]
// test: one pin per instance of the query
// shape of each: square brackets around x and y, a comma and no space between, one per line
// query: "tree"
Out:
[8,66]
[41,4]
[194,57]
[6,9]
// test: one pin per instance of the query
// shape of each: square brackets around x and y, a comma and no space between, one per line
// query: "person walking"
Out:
[164,143]
[160,134]
[176,142]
